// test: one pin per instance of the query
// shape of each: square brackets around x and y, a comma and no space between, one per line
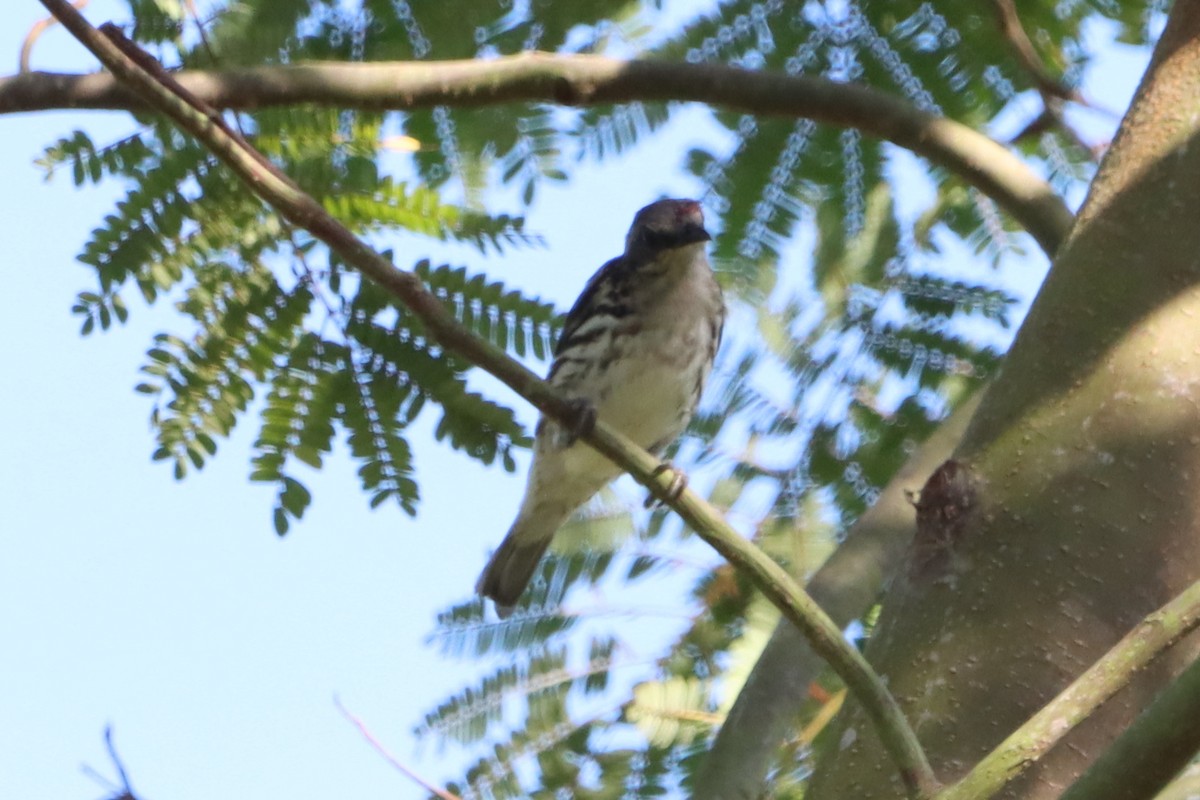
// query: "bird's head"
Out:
[666,225]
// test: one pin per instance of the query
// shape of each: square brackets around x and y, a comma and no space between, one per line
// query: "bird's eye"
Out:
[657,239]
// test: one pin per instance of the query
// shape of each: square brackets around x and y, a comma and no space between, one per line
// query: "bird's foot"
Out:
[583,420]
[679,482]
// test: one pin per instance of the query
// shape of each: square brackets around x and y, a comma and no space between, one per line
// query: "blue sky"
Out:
[170,609]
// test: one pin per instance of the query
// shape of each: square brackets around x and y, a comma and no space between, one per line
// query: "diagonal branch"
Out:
[1148,640]
[585,80]
[1151,751]
[145,77]
[846,585]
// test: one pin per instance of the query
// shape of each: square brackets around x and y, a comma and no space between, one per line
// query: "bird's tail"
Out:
[511,567]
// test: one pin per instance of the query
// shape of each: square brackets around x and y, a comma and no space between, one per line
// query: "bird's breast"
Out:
[659,361]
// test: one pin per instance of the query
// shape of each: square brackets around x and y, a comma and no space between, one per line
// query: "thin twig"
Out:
[112,753]
[1052,119]
[275,188]
[125,790]
[1053,91]
[1014,33]
[391,759]
[35,33]
[821,719]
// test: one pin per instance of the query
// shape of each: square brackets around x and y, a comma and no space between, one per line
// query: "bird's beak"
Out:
[694,232]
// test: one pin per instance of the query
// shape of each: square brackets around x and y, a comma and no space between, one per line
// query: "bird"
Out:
[634,351]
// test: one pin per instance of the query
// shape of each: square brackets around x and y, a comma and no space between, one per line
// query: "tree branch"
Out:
[1101,681]
[584,80]
[1026,54]
[1160,743]
[850,580]
[1185,787]
[146,78]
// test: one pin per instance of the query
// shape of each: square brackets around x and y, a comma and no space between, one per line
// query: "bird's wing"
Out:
[604,296]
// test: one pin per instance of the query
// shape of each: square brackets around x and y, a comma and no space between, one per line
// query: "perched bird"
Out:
[635,349]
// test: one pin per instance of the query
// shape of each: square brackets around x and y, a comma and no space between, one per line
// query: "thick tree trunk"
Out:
[1071,508]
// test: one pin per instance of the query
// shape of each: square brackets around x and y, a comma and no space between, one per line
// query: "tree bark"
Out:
[1070,510]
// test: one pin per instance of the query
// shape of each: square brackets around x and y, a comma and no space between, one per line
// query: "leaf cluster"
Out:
[275,324]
